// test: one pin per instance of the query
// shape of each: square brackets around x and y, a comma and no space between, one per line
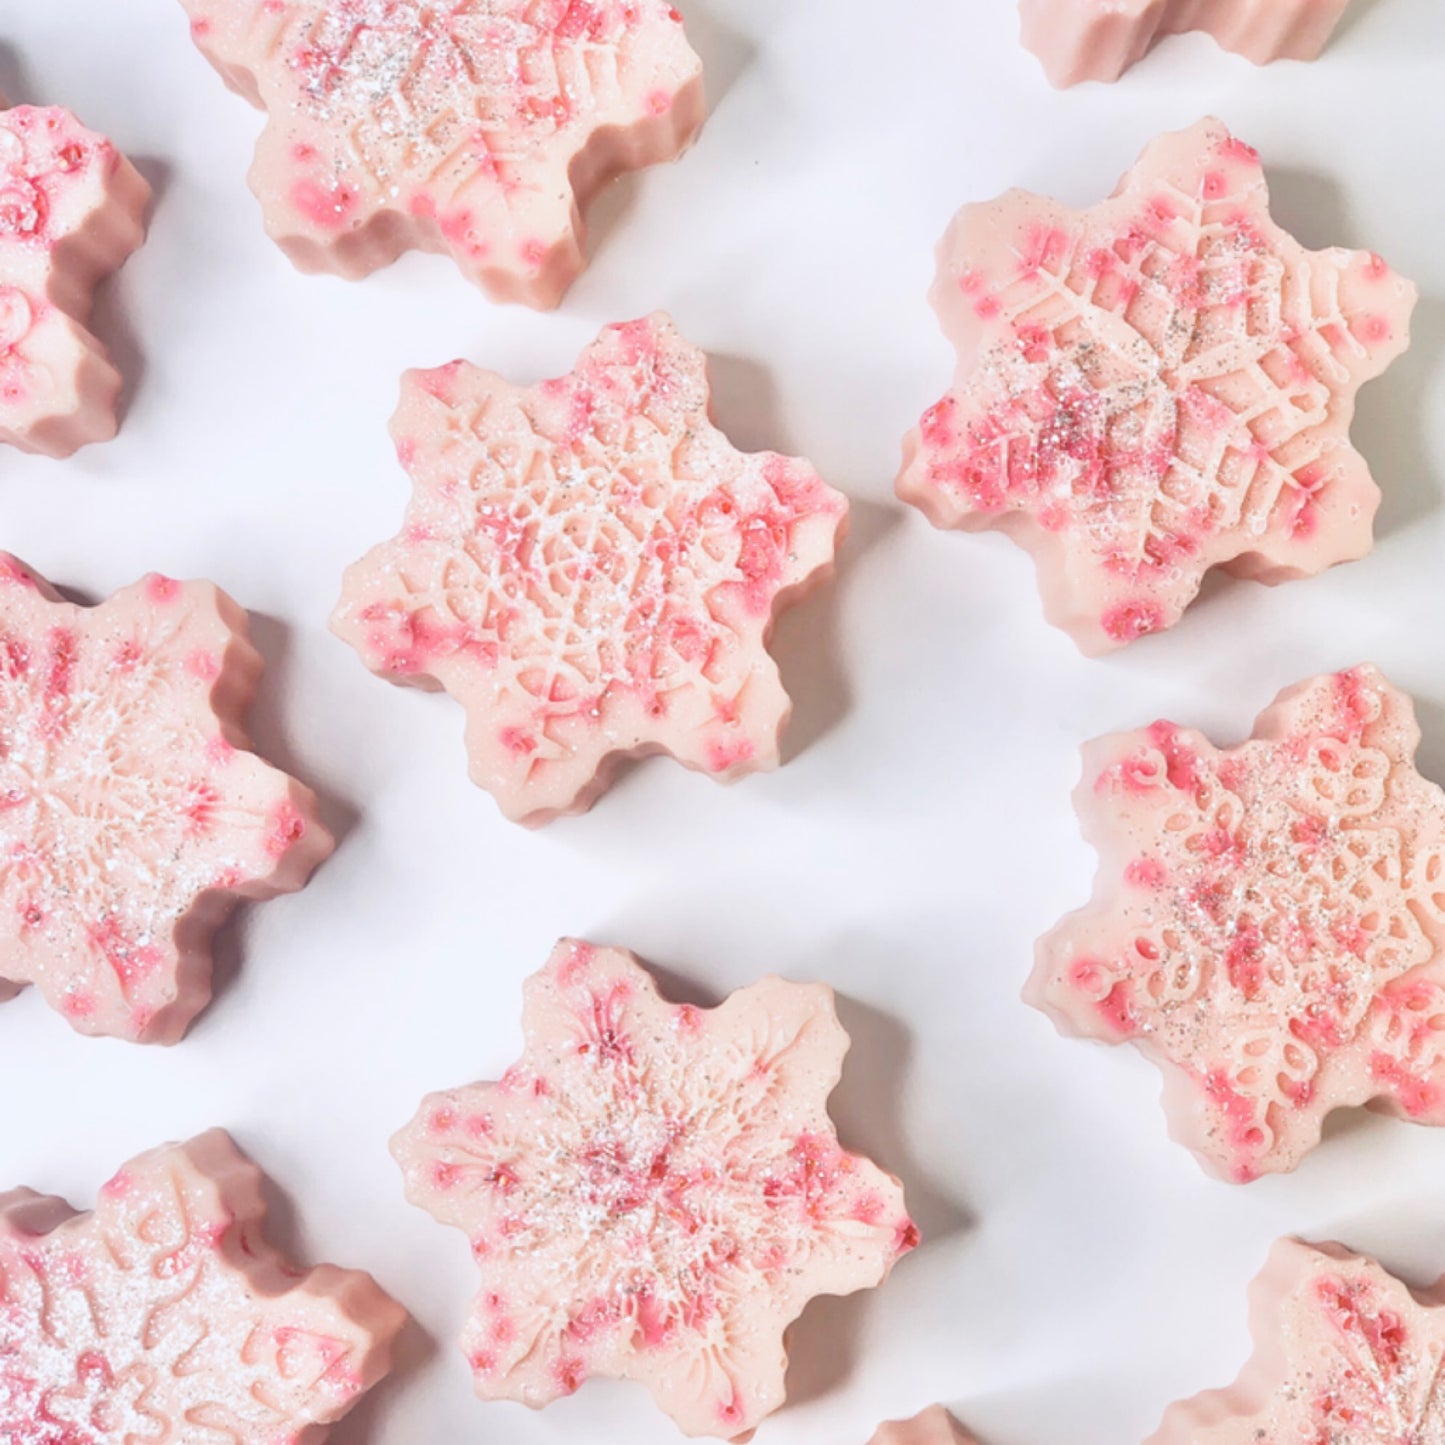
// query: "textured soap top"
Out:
[1155,387]
[132,816]
[1267,922]
[654,1191]
[1344,1354]
[164,1316]
[71,211]
[1100,39]
[591,569]
[479,128]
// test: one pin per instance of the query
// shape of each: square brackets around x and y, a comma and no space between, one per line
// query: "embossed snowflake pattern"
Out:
[1155,387]
[72,210]
[164,1316]
[591,569]
[1080,40]
[479,128]
[132,817]
[935,1426]
[1267,922]
[1345,1354]
[654,1192]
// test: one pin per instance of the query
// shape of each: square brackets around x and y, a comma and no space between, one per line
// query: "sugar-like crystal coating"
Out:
[72,209]
[1345,1354]
[132,816]
[479,128]
[1267,922]
[166,1318]
[1154,387]
[591,569]
[654,1192]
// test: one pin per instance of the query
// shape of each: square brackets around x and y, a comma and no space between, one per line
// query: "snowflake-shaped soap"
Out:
[935,1426]
[591,569]
[1267,922]
[165,1317]
[132,817]
[1155,387]
[479,128]
[654,1192]
[1344,1355]
[72,209]
[1100,39]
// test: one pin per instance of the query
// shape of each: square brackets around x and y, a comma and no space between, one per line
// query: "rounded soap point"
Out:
[654,1192]
[1123,409]
[129,868]
[606,586]
[1267,922]
[481,130]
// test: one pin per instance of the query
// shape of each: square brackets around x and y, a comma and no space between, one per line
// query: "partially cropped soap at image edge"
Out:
[1344,1352]
[591,569]
[1267,921]
[166,1312]
[654,1192]
[480,128]
[1154,387]
[1080,40]
[72,210]
[935,1426]
[133,817]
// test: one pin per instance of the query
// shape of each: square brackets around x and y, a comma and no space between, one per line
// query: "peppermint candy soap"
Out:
[654,1192]
[1081,40]
[1154,387]
[480,128]
[1267,922]
[166,1317]
[592,570]
[1344,1353]
[132,816]
[72,210]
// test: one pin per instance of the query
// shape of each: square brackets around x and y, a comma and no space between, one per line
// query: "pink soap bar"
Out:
[1344,1355]
[132,817]
[1154,387]
[1267,921]
[1100,39]
[654,1191]
[72,209]
[935,1426]
[591,569]
[166,1318]
[479,128]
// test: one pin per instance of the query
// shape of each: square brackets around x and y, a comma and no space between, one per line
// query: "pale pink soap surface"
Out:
[1154,387]
[1267,921]
[132,817]
[1345,1354]
[935,1426]
[165,1317]
[478,128]
[654,1192]
[1081,40]
[72,209]
[591,569]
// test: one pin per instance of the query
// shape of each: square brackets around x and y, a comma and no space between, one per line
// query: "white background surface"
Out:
[1080,1271]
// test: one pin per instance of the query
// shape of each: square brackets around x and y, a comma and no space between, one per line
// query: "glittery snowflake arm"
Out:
[592,570]
[480,129]
[1267,921]
[135,817]
[654,1192]
[1154,387]
[165,1312]
[72,209]
[1343,1351]
[935,1426]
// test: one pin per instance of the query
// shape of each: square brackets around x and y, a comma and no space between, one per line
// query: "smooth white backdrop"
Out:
[1080,1271]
